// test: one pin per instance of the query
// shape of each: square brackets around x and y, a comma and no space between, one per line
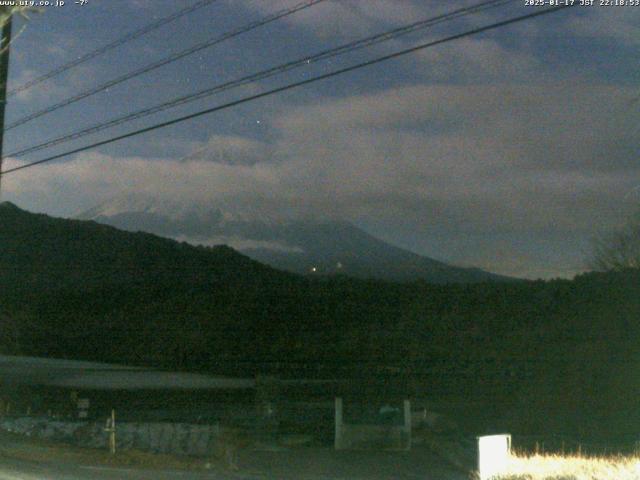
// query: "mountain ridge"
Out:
[303,245]
[542,355]
[87,253]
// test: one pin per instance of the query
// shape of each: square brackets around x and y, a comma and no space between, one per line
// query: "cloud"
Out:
[94,177]
[519,162]
[614,24]
[144,4]
[230,150]
[57,88]
[349,18]
[241,243]
[477,60]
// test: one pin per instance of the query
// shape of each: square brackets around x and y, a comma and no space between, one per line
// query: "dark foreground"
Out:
[299,464]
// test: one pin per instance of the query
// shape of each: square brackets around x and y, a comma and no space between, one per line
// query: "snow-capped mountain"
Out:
[300,245]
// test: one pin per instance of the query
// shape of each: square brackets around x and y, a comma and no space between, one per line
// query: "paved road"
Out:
[11,469]
[303,464]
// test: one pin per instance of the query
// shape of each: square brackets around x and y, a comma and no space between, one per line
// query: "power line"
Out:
[346,48]
[110,46]
[267,93]
[162,62]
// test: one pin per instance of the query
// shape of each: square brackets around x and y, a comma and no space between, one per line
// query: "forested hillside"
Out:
[536,355]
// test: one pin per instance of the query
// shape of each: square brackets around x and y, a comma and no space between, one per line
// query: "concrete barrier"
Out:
[157,437]
[372,436]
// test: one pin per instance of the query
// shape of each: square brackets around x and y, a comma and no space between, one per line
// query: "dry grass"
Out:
[572,467]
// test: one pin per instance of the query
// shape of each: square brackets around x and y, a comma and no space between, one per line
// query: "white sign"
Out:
[493,455]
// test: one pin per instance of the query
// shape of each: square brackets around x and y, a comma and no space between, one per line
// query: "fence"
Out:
[156,437]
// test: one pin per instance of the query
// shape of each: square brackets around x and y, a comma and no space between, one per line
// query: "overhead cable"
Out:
[290,86]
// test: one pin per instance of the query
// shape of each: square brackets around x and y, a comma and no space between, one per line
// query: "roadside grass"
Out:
[572,467]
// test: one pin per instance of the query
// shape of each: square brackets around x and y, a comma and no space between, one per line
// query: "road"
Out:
[12,469]
[303,464]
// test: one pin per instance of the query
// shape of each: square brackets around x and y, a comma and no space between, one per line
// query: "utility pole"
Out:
[5,42]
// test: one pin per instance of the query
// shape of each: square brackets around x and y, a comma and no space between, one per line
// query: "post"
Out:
[407,422]
[112,437]
[268,404]
[339,420]
[5,42]
[111,429]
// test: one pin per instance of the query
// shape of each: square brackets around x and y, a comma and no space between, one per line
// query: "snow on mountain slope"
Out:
[301,245]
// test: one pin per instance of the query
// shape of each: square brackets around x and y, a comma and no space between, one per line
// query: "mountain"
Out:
[303,245]
[532,356]
[61,253]
[80,290]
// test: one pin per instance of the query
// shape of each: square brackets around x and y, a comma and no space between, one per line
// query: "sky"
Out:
[508,150]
